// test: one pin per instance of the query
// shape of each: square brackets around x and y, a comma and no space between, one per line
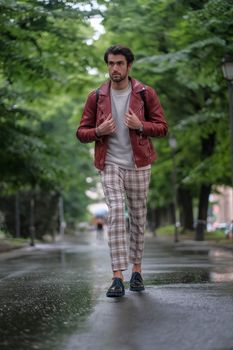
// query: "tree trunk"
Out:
[152,219]
[186,206]
[202,212]
[208,144]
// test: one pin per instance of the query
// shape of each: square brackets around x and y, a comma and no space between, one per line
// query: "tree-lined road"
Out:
[53,297]
[50,60]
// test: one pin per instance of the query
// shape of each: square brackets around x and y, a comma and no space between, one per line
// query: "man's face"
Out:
[118,67]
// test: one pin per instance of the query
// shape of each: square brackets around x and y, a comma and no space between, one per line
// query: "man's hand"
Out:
[108,127]
[132,121]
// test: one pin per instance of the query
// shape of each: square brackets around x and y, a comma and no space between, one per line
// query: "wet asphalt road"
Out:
[53,297]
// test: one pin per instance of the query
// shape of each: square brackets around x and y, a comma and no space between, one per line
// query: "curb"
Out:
[192,244]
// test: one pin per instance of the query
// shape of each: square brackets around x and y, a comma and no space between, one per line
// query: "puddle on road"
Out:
[44,315]
[179,277]
[213,265]
[188,251]
[190,277]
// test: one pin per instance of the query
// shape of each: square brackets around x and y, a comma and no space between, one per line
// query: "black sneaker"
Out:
[136,282]
[117,288]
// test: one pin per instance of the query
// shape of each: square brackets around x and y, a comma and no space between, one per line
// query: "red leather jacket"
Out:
[155,124]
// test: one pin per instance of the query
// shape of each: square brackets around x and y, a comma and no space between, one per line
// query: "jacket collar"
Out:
[136,87]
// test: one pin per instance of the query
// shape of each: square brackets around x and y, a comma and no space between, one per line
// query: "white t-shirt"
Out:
[119,146]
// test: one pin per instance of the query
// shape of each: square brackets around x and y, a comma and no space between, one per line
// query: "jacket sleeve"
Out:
[86,130]
[155,125]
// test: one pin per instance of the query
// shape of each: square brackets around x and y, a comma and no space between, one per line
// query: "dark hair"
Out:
[119,50]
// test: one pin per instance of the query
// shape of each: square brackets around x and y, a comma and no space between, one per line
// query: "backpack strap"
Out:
[143,97]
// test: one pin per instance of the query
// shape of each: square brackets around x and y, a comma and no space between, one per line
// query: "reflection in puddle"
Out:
[180,277]
[221,277]
[191,251]
[187,277]
[220,253]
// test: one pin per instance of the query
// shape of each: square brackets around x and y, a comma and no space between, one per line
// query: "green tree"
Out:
[179,48]
[44,62]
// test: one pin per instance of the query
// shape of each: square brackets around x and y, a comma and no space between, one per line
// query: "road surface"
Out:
[53,298]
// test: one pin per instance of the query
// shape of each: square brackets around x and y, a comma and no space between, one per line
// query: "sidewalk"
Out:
[6,246]
[11,250]
[184,241]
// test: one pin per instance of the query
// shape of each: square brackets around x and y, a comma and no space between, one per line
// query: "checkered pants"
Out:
[119,184]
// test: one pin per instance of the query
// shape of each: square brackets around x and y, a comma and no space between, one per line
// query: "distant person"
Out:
[99,228]
[120,117]
[229,231]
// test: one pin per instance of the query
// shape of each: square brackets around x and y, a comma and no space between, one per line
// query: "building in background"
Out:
[221,208]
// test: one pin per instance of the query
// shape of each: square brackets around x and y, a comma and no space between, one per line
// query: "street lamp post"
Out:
[227,68]
[173,145]
[61,218]
[32,223]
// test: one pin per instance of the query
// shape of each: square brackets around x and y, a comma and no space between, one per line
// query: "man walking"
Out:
[120,117]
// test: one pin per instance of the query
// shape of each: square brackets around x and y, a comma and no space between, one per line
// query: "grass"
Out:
[165,230]
[7,242]
[15,241]
[216,236]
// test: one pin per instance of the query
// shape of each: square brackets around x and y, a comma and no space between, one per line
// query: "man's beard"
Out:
[117,78]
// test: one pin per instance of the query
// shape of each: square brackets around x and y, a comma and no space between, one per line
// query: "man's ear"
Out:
[129,66]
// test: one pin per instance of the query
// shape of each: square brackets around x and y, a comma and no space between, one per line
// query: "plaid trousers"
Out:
[119,185]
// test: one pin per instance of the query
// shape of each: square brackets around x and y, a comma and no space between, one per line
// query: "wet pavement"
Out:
[53,297]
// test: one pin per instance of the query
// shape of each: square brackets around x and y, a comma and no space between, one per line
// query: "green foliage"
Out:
[179,46]
[44,79]
[167,230]
[218,234]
